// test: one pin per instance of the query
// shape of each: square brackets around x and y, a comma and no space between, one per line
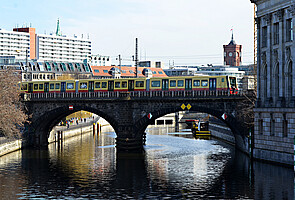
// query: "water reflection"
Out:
[172,167]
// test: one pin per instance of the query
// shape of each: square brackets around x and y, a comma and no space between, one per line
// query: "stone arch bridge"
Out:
[127,112]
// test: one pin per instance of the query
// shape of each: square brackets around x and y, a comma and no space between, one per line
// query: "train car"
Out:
[198,83]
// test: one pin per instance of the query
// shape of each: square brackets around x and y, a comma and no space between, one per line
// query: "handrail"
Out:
[134,94]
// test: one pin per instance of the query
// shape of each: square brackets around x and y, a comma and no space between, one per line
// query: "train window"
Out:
[35,86]
[40,86]
[180,83]
[124,84]
[196,83]
[24,86]
[52,86]
[156,84]
[139,84]
[222,80]
[172,83]
[117,85]
[57,86]
[83,85]
[70,85]
[97,84]
[104,85]
[204,83]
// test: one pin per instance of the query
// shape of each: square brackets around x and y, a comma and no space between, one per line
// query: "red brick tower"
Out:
[232,53]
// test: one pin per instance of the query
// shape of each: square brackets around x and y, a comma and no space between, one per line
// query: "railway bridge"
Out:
[129,113]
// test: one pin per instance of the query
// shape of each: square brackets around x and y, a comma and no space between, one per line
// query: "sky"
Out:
[183,32]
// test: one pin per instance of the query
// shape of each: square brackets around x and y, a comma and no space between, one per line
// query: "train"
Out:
[225,83]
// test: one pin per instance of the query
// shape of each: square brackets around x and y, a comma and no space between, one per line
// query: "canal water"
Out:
[174,166]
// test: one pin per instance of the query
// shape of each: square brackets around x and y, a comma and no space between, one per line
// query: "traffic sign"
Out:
[188,106]
[71,107]
[224,116]
[150,115]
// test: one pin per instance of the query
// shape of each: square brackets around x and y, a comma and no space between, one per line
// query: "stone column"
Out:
[268,19]
[292,11]
[258,67]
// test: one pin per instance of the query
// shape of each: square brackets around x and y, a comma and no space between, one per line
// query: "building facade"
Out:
[62,49]
[232,53]
[99,60]
[275,108]
[15,45]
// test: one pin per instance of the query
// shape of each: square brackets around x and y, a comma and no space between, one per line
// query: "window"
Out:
[96,70]
[204,83]
[57,86]
[285,126]
[83,85]
[160,72]
[260,126]
[131,71]
[264,36]
[105,71]
[40,86]
[289,30]
[276,33]
[222,80]
[104,85]
[70,85]
[156,84]
[154,72]
[51,86]
[117,85]
[139,84]
[124,71]
[172,83]
[196,83]
[24,86]
[124,84]
[97,84]
[180,83]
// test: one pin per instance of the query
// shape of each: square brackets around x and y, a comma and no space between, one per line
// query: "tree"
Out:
[12,115]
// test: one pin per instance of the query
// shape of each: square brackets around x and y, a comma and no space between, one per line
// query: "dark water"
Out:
[173,167]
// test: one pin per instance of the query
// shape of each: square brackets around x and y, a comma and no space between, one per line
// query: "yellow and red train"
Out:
[133,84]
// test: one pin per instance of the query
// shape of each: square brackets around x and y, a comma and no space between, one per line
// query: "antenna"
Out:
[136,56]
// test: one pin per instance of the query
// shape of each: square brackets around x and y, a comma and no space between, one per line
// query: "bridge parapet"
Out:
[133,95]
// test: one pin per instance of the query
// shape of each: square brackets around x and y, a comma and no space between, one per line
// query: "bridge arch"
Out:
[42,126]
[231,121]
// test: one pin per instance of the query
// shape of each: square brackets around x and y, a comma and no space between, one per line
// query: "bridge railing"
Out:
[133,95]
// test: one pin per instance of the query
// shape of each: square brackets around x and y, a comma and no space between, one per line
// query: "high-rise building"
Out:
[232,53]
[14,44]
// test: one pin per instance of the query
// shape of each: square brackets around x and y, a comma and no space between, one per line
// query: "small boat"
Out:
[201,129]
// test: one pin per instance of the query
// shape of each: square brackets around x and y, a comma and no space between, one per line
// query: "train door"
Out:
[165,84]
[63,87]
[91,86]
[110,85]
[130,85]
[30,89]
[188,84]
[46,87]
[212,83]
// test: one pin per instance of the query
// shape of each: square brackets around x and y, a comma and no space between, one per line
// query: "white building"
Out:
[99,60]
[16,44]
[62,48]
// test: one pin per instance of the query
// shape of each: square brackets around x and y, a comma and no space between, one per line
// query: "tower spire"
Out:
[58,33]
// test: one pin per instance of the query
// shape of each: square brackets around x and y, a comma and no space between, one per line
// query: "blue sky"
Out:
[186,31]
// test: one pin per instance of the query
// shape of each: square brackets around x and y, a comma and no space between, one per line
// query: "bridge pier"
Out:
[128,139]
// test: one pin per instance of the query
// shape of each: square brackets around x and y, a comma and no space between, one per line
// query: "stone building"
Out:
[275,108]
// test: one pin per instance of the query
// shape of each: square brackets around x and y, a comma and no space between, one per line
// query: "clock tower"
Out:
[232,53]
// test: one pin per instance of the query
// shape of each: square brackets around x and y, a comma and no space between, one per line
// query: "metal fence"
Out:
[133,94]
